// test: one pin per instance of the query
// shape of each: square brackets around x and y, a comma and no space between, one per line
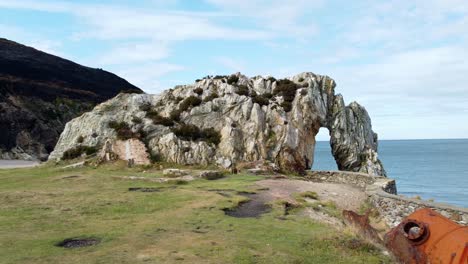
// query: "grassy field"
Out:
[181,223]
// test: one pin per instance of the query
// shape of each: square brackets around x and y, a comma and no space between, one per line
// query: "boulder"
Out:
[211,175]
[174,173]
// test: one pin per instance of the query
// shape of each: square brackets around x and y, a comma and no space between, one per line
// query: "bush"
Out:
[261,100]
[286,89]
[77,151]
[243,90]
[175,115]
[137,120]
[123,130]
[287,106]
[80,139]
[190,101]
[155,157]
[145,107]
[232,79]
[158,119]
[193,133]
[217,77]
[211,97]
[211,136]
[198,91]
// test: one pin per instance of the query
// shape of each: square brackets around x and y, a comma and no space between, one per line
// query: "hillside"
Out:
[40,93]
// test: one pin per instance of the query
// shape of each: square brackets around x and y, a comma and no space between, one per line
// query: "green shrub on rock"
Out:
[232,79]
[137,120]
[123,130]
[261,100]
[287,89]
[242,90]
[287,106]
[198,91]
[80,139]
[190,101]
[145,107]
[158,119]
[211,97]
[193,133]
[77,151]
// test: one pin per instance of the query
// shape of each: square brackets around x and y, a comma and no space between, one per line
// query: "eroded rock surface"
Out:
[231,119]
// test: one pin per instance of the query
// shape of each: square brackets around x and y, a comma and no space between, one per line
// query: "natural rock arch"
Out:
[257,119]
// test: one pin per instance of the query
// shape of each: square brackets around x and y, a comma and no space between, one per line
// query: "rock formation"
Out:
[232,119]
[39,93]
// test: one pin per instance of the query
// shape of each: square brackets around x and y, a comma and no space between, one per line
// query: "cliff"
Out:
[40,93]
[231,119]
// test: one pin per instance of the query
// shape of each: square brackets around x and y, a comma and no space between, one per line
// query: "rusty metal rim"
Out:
[418,238]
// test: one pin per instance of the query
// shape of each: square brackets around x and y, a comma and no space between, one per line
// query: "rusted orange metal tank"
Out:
[428,237]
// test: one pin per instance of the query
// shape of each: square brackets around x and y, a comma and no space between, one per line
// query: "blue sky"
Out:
[405,61]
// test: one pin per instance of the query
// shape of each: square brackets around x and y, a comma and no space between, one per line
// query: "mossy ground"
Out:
[42,206]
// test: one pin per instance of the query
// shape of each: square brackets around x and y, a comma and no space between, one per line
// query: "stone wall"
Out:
[382,194]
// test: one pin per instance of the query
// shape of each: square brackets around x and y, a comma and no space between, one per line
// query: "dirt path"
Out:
[344,196]
[11,164]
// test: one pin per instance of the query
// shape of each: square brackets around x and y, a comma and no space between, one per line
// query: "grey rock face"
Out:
[256,118]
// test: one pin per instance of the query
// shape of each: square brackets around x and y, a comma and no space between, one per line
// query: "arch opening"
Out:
[323,157]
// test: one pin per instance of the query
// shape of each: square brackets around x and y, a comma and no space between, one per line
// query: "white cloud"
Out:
[147,75]
[231,64]
[135,53]
[284,18]
[31,39]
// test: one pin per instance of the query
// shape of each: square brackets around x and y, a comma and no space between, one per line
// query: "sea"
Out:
[429,168]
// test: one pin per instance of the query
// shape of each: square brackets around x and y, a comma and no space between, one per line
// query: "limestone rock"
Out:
[211,175]
[172,173]
[227,120]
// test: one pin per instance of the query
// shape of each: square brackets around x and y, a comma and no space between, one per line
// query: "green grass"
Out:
[179,224]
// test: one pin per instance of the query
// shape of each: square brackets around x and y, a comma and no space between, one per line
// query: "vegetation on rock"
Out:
[198,91]
[158,119]
[192,132]
[232,79]
[210,97]
[261,99]
[242,90]
[287,89]
[189,102]
[78,151]
[123,130]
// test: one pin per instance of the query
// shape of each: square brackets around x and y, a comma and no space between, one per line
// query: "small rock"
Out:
[257,171]
[211,175]
[171,173]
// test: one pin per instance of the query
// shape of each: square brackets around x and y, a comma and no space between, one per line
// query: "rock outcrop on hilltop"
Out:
[40,93]
[232,119]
